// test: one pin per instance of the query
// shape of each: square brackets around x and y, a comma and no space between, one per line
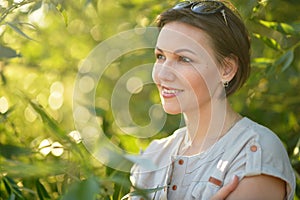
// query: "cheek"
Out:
[198,84]
[204,82]
[213,79]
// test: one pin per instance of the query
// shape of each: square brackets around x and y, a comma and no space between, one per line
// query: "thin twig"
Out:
[12,8]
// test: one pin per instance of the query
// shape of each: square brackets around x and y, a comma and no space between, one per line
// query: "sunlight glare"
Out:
[75,135]
[38,16]
[296,151]
[45,147]
[3,105]
[57,149]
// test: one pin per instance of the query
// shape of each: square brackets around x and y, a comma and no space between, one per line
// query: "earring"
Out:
[225,84]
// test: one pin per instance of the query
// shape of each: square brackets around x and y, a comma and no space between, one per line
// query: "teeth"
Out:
[170,91]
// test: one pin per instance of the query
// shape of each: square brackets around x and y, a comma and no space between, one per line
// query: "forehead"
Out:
[176,35]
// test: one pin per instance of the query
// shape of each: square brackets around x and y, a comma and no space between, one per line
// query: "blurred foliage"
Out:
[42,45]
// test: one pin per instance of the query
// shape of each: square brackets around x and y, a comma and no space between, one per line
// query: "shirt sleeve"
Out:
[264,154]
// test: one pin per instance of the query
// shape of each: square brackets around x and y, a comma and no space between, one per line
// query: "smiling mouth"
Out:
[170,92]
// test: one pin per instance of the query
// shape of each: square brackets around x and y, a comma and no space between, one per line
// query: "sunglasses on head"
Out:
[203,7]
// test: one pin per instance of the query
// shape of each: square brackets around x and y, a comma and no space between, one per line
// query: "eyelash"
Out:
[181,58]
[185,59]
[159,56]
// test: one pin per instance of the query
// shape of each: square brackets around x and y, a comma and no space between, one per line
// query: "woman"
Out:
[202,57]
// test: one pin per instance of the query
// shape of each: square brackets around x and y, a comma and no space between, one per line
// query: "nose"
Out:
[163,72]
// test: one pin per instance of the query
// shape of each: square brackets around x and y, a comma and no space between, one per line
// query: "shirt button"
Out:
[180,162]
[253,148]
[174,187]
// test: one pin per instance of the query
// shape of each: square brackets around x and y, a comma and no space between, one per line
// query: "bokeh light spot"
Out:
[3,105]
[86,84]
[45,147]
[55,100]
[81,114]
[57,149]
[75,135]
[30,114]
[84,66]
[57,87]
[134,85]
[296,151]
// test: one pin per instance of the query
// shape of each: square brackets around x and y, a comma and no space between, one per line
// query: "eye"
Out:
[185,59]
[160,57]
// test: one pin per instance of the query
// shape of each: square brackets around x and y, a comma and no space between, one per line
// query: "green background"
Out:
[42,46]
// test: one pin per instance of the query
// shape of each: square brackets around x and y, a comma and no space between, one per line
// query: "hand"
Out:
[226,190]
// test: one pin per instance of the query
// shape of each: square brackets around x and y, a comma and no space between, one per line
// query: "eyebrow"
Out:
[178,50]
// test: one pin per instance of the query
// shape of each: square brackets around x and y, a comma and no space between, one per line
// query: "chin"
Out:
[172,110]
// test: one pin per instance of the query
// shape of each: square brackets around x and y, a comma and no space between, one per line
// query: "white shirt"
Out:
[247,149]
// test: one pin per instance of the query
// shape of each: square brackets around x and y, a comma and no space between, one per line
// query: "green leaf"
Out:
[285,60]
[121,183]
[42,192]
[251,8]
[11,187]
[63,12]
[7,186]
[142,192]
[35,6]
[12,197]
[86,189]
[19,31]
[291,29]
[9,151]
[87,2]
[99,111]
[49,120]
[3,78]
[57,131]
[38,169]
[7,52]
[262,62]
[268,41]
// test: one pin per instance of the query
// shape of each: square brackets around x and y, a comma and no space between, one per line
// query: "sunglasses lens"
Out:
[182,5]
[207,7]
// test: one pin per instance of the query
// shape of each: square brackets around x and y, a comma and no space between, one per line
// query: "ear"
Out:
[229,68]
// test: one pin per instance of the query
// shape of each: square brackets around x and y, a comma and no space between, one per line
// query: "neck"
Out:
[208,124]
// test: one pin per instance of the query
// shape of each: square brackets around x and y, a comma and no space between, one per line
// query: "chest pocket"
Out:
[199,170]
[204,190]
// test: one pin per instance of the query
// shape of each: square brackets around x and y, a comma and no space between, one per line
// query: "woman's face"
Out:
[185,70]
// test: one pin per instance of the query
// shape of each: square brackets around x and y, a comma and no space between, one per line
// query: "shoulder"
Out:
[252,134]
[255,145]
[266,138]
[259,153]
[265,143]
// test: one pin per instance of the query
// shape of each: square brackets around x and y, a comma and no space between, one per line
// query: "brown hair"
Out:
[227,39]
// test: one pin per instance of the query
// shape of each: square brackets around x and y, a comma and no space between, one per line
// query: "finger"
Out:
[226,190]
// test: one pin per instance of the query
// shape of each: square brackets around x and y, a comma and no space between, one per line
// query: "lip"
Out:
[169,92]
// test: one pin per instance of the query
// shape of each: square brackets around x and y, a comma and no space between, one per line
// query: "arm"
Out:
[261,187]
